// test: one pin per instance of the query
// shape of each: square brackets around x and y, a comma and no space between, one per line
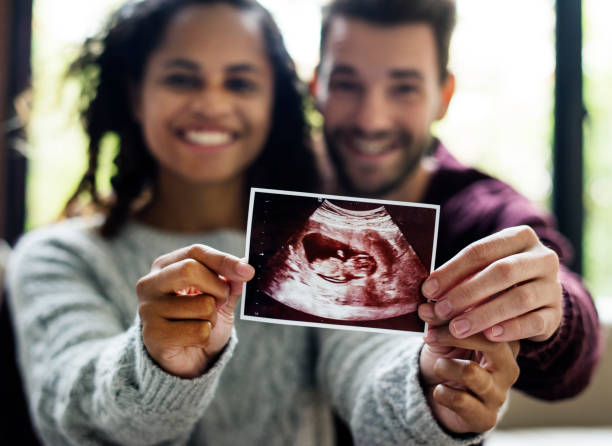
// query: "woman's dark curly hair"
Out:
[111,64]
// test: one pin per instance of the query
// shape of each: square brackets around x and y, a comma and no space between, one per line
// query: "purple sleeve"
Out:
[562,366]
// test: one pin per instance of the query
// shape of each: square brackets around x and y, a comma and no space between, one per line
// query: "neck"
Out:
[180,206]
[414,186]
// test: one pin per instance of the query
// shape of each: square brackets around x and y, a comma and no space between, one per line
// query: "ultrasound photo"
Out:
[338,262]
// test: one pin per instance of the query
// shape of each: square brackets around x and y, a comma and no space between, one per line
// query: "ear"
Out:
[448,89]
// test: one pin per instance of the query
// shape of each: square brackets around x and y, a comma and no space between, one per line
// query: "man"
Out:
[381,83]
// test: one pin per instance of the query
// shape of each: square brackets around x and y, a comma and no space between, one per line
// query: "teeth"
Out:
[371,148]
[208,138]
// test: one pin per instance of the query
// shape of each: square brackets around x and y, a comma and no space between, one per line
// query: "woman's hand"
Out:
[466,381]
[186,304]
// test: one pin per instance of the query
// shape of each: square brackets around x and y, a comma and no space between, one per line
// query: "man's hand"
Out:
[186,304]
[466,381]
[505,285]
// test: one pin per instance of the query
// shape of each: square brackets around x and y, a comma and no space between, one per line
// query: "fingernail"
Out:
[427,311]
[244,269]
[497,330]
[461,326]
[444,308]
[430,287]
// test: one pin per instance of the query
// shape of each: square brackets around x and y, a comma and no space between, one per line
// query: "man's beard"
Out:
[415,151]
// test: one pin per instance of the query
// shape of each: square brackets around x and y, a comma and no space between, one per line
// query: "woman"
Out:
[125,320]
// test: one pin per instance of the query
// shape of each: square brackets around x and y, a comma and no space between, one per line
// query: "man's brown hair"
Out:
[439,14]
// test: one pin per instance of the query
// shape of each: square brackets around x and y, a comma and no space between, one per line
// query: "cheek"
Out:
[434,103]
[153,135]
[260,118]
[264,122]
[414,118]
[155,116]
[338,113]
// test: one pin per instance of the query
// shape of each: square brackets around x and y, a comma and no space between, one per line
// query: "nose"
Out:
[212,102]
[372,114]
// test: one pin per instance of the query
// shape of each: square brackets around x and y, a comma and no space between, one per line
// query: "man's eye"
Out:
[404,89]
[182,81]
[241,85]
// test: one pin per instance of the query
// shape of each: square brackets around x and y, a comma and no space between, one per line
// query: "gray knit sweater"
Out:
[91,381]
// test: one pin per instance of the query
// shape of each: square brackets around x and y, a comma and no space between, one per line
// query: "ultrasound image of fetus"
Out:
[336,261]
[347,265]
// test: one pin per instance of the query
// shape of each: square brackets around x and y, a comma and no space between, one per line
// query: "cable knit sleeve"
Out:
[373,383]
[88,376]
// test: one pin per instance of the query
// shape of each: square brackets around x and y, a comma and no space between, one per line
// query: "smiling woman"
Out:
[202,101]
[205,110]
[193,118]
[57,158]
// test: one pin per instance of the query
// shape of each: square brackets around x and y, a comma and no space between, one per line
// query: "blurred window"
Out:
[597,69]
[500,119]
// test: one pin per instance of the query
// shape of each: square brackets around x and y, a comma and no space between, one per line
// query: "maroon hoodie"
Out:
[474,205]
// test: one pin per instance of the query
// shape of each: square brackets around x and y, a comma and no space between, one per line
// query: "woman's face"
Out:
[206,97]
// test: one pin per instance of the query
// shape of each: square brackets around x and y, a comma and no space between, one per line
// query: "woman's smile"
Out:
[207,140]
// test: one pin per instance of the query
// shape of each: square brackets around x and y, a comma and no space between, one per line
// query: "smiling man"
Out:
[381,84]
[379,92]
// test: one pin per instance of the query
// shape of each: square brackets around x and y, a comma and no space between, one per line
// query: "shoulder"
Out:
[474,205]
[466,192]
[68,241]
[71,232]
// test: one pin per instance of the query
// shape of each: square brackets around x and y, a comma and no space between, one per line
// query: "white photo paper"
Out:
[338,262]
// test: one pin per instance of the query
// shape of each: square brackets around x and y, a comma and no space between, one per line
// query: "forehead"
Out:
[215,32]
[372,48]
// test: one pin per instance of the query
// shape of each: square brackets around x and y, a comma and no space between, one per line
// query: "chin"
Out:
[375,189]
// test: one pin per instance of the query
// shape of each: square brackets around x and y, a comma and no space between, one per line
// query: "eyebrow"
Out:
[406,74]
[343,69]
[397,73]
[182,63]
[242,68]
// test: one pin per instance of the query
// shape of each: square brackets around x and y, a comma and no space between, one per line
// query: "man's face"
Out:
[378,88]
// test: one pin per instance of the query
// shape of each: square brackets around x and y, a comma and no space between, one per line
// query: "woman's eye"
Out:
[182,81]
[241,85]
[344,86]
